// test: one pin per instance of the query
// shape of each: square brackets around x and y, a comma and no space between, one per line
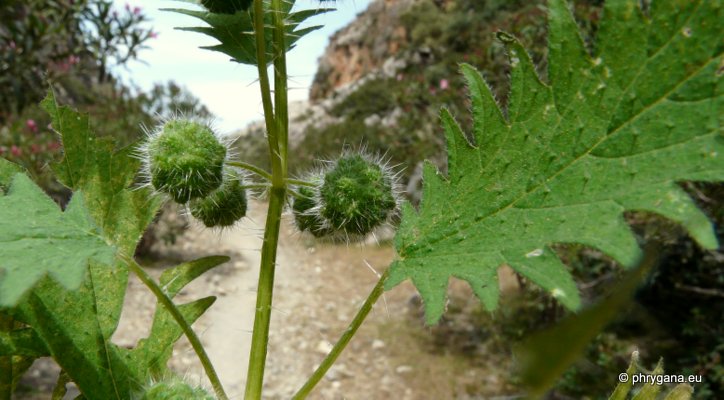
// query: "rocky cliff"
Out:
[367,44]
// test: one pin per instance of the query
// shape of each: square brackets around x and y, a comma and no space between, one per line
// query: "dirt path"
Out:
[318,289]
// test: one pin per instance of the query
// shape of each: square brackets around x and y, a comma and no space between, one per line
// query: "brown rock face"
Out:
[361,47]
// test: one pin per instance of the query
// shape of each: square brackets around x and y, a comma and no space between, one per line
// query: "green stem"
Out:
[266,100]
[252,168]
[163,298]
[265,288]
[296,194]
[300,182]
[277,123]
[344,339]
[280,82]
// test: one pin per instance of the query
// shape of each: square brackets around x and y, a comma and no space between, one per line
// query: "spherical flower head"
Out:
[185,160]
[357,195]
[224,206]
[305,217]
[175,389]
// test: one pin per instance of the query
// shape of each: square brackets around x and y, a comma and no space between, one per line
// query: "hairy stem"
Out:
[163,298]
[252,168]
[277,126]
[261,63]
[265,288]
[280,83]
[344,339]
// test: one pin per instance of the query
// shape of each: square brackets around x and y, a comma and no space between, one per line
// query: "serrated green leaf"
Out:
[649,390]
[104,175]
[7,171]
[174,279]
[78,340]
[81,341]
[155,351]
[235,32]
[36,239]
[624,387]
[22,342]
[682,391]
[609,133]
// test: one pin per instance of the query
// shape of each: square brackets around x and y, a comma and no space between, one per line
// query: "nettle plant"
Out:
[613,130]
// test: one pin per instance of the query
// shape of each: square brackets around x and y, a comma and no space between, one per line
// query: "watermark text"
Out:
[658,379]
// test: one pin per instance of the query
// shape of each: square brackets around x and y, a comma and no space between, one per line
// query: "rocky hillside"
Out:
[383,79]
[367,44]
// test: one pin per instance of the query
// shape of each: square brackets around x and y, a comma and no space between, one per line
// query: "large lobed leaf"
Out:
[235,32]
[609,133]
[75,326]
[38,239]
[80,341]
[105,176]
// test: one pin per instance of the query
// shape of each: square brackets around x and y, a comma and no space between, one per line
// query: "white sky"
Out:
[227,88]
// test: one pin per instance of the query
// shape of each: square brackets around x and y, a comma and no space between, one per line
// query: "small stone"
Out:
[337,372]
[324,347]
[377,344]
[403,369]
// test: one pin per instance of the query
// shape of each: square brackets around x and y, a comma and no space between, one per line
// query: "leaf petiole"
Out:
[344,340]
[250,167]
[300,182]
[163,298]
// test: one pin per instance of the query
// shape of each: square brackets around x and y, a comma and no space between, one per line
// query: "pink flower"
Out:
[32,125]
[153,35]
[12,45]
[16,151]
[444,84]
[52,146]
[35,148]
[136,10]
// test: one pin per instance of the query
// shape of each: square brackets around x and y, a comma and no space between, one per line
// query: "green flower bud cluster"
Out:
[224,206]
[356,194]
[175,389]
[185,160]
